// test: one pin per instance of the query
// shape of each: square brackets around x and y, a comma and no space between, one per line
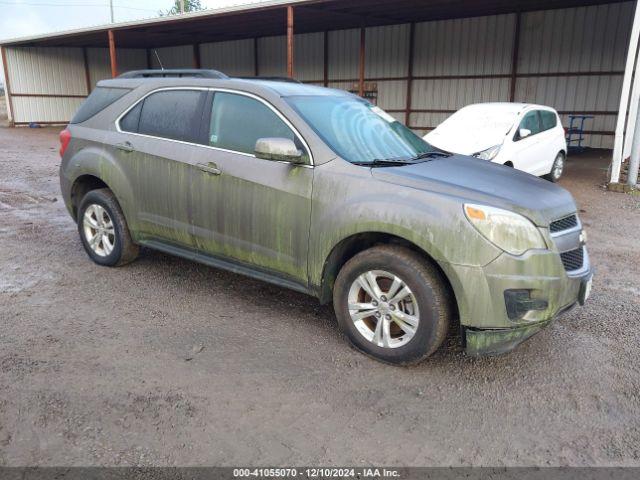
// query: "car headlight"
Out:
[507,230]
[489,153]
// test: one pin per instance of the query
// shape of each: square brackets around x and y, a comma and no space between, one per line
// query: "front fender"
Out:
[347,203]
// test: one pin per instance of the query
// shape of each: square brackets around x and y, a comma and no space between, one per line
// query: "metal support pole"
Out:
[361,62]
[7,86]
[290,41]
[256,58]
[632,54]
[112,54]
[111,10]
[634,161]
[412,42]
[632,123]
[514,60]
[87,73]
[181,6]
[196,56]
[325,59]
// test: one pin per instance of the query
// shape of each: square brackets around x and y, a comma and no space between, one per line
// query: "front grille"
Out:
[573,259]
[564,224]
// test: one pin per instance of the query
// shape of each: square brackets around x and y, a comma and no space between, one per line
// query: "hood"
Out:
[475,128]
[468,143]
[477,181]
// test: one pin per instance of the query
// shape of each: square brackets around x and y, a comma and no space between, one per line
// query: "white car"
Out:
[527,137]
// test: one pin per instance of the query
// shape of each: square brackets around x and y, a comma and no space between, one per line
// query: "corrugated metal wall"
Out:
[571,59]
[51,83]
[576,41]
[100,66]
[57,73]
[235,58]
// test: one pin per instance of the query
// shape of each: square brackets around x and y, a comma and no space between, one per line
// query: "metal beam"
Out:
[196,56]
[514,59]
[412,42]
[361,61]
[7,86]
[112,54]
[325,60]
[256,58]
[290,41]
[87,74]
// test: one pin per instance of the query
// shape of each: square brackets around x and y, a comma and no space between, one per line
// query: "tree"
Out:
[189,6]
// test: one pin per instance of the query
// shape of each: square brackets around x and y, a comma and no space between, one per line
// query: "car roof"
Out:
[507,107]
[279,87]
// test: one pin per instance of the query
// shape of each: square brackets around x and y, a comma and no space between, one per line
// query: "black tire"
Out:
[426,283]
[124,250]
[552,176]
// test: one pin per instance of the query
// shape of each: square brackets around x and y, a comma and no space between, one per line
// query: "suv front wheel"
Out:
[392,304]
[103,229]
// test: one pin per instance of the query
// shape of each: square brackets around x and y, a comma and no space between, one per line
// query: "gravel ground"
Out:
[166,362]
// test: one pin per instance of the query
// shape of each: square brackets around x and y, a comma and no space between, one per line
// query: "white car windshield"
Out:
[479,121]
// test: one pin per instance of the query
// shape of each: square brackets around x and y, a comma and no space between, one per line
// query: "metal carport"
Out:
[420,60]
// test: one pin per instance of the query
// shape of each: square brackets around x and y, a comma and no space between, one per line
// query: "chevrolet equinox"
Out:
[319,191]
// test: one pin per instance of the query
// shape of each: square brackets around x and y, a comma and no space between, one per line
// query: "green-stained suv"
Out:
[319,191]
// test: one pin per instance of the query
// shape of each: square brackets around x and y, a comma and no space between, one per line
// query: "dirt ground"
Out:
[167,362]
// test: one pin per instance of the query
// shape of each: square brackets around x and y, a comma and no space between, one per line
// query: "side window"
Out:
[238,121]
[172,114]
[549,119]
[129,123]
[531,121]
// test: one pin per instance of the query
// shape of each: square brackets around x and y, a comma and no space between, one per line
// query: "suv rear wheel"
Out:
[103,229]
[392,304]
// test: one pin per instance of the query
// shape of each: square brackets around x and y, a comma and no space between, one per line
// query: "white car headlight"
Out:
[507,230]
[489,153]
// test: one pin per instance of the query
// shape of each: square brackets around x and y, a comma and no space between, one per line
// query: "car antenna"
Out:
[158,57]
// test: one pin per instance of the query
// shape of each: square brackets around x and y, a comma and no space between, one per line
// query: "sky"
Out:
[20,18]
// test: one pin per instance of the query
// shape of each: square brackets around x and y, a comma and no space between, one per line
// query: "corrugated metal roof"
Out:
[268,18]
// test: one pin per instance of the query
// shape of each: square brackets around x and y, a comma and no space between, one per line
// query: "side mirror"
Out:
[279,149]
[524,132]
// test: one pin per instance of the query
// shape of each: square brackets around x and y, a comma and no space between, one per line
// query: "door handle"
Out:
[125,147]
[210,168]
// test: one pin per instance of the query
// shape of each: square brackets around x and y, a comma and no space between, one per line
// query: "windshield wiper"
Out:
[434,154]
[381,162]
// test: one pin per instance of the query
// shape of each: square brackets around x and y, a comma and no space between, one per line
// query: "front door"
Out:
[253,211]
[527,150]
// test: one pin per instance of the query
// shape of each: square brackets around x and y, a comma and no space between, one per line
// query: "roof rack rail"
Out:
[172,73]
[274,79]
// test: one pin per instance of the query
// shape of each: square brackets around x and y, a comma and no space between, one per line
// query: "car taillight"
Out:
[65,138]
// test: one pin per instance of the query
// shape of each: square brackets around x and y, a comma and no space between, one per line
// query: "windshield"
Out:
[358,131]
[479,121]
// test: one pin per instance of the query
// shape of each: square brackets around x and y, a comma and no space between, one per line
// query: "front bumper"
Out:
[489,328]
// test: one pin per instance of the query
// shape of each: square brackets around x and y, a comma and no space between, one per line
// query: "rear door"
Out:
[254,211]
[527,150]
[549,141]
[157,145]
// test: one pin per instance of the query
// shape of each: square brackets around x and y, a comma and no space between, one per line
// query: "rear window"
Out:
[99,99]
[172,114]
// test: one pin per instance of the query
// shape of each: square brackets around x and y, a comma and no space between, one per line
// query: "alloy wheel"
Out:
[383,309]
[98,230]
[558,167]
